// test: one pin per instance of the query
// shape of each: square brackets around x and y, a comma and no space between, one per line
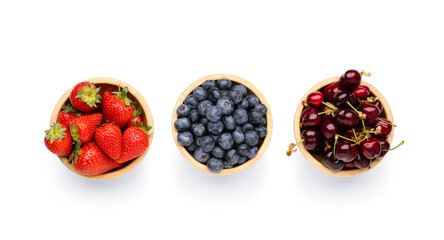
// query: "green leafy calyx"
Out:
[56,132]
[89,95]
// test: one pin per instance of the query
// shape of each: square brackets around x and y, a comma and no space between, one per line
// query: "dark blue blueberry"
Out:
[243,104]
[253,152]
[227,165]
[209,84]
[223,93]
[226,105]
[207,143]
[215,128]
[218,152]
[200,94]
[255,116]
[224,84]
[192,102]
[263,121]
[244,149]
[262,108]
[185,138]
[215,165]
[182,124]
[232,157]
[183,110]
[204,121]
[199,140]
[229,123]
[198,129]
[262,131]
[252,100]
[192,147]
[241,88]
[201,156]
[247,127]
[214,95]
[240,116]
[251,138]
[242,160]
[216,137]
[225,141]
[238,136]
[203,107]
[194,116]
[214,113]
[235,96]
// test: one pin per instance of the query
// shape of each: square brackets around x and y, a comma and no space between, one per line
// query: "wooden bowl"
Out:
[111,84]
[251,90]
[315,159]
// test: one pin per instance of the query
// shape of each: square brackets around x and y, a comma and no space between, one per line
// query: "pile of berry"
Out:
[343,121]
[98,136]
[221,125]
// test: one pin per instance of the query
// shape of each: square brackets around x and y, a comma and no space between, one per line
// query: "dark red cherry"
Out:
[334,164]
[379,105]
[346,118]
[386,128]
[345,151]
[370,148]
[310,117]
[341,97]
[349,165]
[385,145]
[350,80]
[361,92]
[372,113]
[348,134]
[329,129]
[315,98]
[361,162]
[330,90]
[312,139]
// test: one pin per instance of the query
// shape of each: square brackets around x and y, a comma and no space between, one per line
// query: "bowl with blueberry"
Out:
[222,124]
[343,125]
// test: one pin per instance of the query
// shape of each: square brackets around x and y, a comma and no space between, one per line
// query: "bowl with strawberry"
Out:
[100,128]
[343,126]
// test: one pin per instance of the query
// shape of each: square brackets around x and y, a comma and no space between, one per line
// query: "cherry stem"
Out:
[365,138]
[401,143]
[382,120]
[334,147]
[353,108]
[345,138]
[356,137]
[363,125]
[365,73]
[323,112]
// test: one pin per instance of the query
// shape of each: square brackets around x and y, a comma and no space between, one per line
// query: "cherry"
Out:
[341,97]
[349,134]
[362,162]
[324,109]
[312,139]
[370,148]
[349,165]
[310,117]
[361,92]
[350,80]
[329,129]
[378,104]
[330,90]
[386,128]
[334,164]
[372,113]
[315,98]
[345,151]
[346,118]
[385,145]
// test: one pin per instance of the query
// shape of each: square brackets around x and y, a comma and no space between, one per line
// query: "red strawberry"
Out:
[84,96]
[90,160]
[68,115]
[137,120]
[135,142]
[58,140]
[83,128]
[109,139]
[117,108]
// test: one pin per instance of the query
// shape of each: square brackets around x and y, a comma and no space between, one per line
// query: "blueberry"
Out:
[214,113]
[243,104]
[226,141]
[263,121]
[200,94]
[199,140]
[253,152]
[182,124]
[226,105]
[214,95]
[240,116]
[218,152]
[207,144]
[192,147]
[232,157]
[255,116]
[227,165]
[183,110]
[209,84]
[216,137]
[242,160]
[204,121]
[262,108]
[203,107]
[235,96]
[224,84]
[229,123]
[194,116]
[244,149]
[223,93]
[215,128]
[192,102]
[215,165]
[262,131]
[252,100]
[241,88]
[251,138]
[238,136]
[201,156]
[199,129]
[185,138]
[247,127]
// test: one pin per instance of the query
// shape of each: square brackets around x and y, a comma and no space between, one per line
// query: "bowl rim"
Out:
[251,89]
[309,156]
[146,111]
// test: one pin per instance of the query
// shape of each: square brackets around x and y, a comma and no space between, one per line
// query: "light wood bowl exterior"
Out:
[111,84]
[251,90]
[315,159]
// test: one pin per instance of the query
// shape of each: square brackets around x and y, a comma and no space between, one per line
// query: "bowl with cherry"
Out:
[343,125]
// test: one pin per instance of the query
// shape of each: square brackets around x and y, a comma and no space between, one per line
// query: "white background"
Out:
[160,47]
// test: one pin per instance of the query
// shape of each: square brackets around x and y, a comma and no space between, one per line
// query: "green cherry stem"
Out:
[334,146]
[356,137]
[357,143]
[401,143]
[382,120]
[345,138]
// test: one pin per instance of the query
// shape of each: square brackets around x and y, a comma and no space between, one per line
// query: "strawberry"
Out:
[117,107]
[137,120]
[83,128]
[68,115]
[84,96]
[58,140]
[135,142]
[90,160]
[109,139]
